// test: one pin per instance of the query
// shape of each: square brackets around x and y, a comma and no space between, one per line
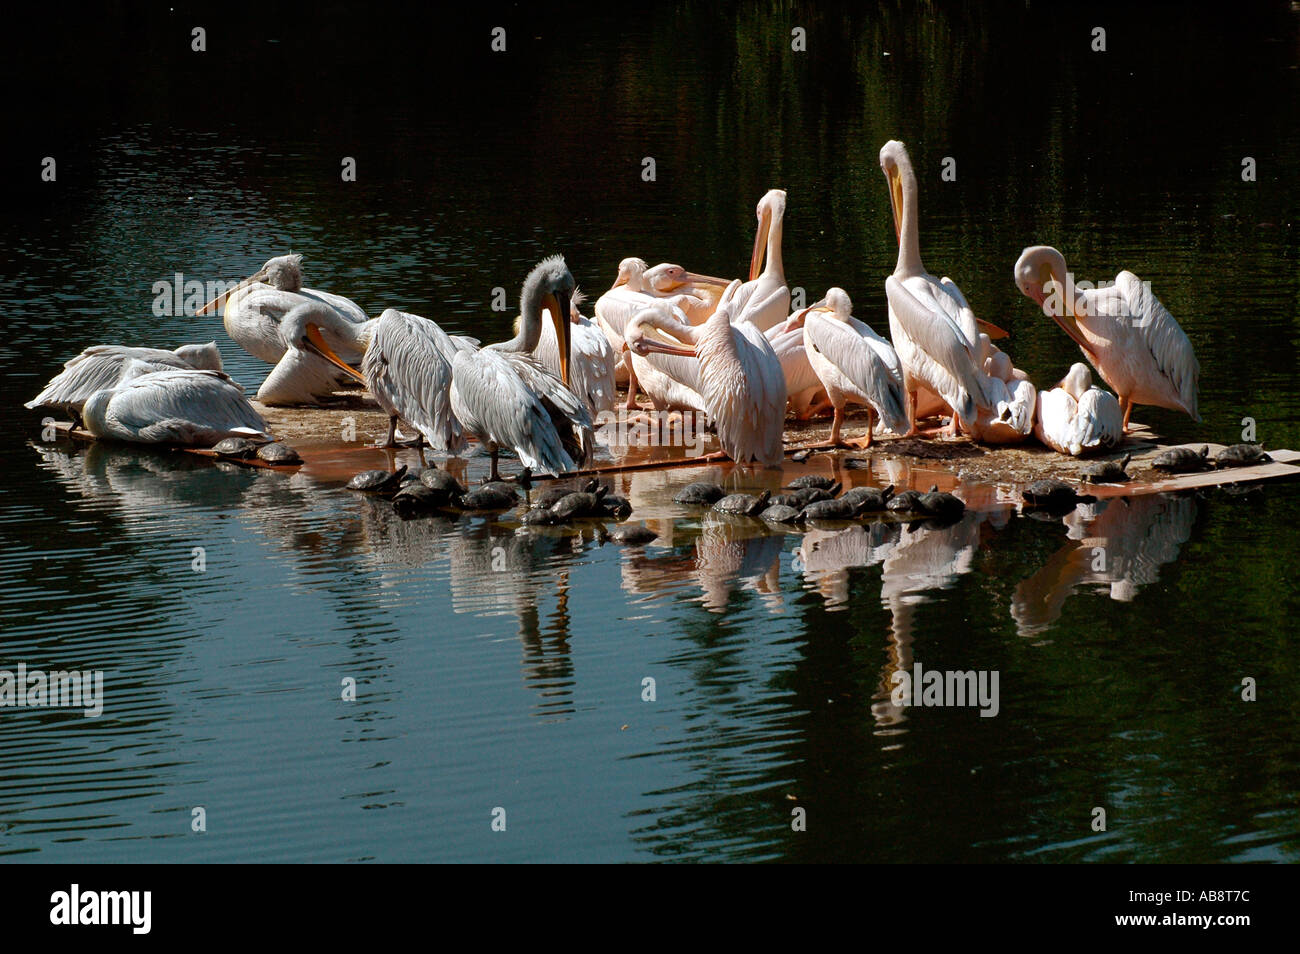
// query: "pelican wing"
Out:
[407,366]
[939,337]
[173,407]
[1100,422]
[857,369]
[592,361]
[959,310]
[1170,348]
[344,306]
[96,368]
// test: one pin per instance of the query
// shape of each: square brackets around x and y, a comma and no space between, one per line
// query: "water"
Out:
[771,653]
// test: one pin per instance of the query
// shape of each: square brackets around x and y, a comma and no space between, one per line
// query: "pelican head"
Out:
[283,272]
[301,329]
[837,301]
[771,209]
[895,164]
[205,357]
[638,338]
[666,277]
[1077,381]
[630,272]
[550,285]
[1038,266]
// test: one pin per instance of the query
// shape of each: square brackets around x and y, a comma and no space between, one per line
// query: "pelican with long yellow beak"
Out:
[764,300]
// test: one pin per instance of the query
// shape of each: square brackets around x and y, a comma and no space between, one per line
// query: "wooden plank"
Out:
[1208,478]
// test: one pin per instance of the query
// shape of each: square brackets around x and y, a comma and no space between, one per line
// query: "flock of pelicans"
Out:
[689,342]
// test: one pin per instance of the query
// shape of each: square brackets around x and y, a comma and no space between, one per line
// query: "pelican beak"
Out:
[993,331]
[693,279]
[896,201]
[559,311]
[316,343]
[760,243]
[621,280]
[648,343]
[221,299]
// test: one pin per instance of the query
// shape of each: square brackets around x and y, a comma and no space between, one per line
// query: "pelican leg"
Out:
[1126,405]
[631,388]
[912,430]
[494,475]
[862,443]
[391,439]
[954,427]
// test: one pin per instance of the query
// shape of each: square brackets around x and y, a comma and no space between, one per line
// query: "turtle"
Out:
[446,488]
[945,506]
[1106,471]
[1242,455]
[909,501]
[414,497]
[745,505]
[235,448]
[869,499]
[500,487]
[1181,460]
[618,507]
[633,536]
[489,497]
[581,503]
[701,493]
[377,481]
[802,455]
[793,501]
[540,517]
[811,480]
[811,495]
[549,497]
[781,513]
[857,463]
[1053,494]
[838,508]
[278,455]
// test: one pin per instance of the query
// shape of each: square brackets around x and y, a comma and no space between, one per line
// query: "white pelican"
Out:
[255,307]
[696,295]
[855,364]
[806,395]
[764,300]
[740,377]
[505,397]
[1128,336]
[932,327]
[671,381]
[593,363]
[101,366]
[1015,400]
[1076,417]
[172,407]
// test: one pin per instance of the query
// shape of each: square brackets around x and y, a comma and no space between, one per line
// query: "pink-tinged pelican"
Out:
[670,380]
[1076,417]
[1015,400]
[696,295]
[740,377]
[1125,333]
[187,407]
[255,307]
[593,362]
[101,366]
[764,300]
[854,364]
[806,394]
[933,329]
[506,398]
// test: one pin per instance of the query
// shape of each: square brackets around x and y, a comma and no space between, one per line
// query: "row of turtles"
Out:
[814,498]
[243,448]
[1182,460]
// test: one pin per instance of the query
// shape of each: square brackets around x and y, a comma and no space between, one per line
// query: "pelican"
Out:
[101,366]
[807,396]
[932,327]
[173,406]
[854,364]
[696,295]
[594,362]
[506,398]
[740,377]
[1125,333]
[1076,417]
[671,381]
[406,366]
[1011,418]
[764,300]
[255,307]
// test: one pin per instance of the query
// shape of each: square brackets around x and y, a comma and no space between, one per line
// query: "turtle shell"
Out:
[377,481]
[278,454]
[909,501]
[811,480]
[744,504]
[1106,471]
[1049,490]
[239,448]
[540,518]
[633,536]
[488,497]
[701,493]
[780,513]
[1181,460]
[1242,455]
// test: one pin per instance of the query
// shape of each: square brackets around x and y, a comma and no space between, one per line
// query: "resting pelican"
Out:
[1125,333]
[506,398]
[255,307]
[1076,417]
[101,366]
[671,381]
[173,406]
[593,364]
[1011,418]
[740,377]
[932,327]
[764,300]
[855,364]
[806,394]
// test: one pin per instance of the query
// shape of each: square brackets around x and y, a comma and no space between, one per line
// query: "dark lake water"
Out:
[771,654]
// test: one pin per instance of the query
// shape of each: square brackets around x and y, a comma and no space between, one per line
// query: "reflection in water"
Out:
[1117,545]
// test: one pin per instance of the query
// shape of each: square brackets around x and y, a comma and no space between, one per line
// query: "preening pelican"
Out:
[101,366]
[593,363]
[1076,417]
[854,364]
[1015,400]
[670,380]
[508,399]
[255,307]
[932,327]
[764,300]
[313,344]
[805,393]
[1128,336]
[696,295]
[740,377]
[174,406]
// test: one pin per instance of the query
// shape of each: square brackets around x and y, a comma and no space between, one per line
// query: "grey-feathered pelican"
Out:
[173,406]
[593,362]
[101,366]
[508,399]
